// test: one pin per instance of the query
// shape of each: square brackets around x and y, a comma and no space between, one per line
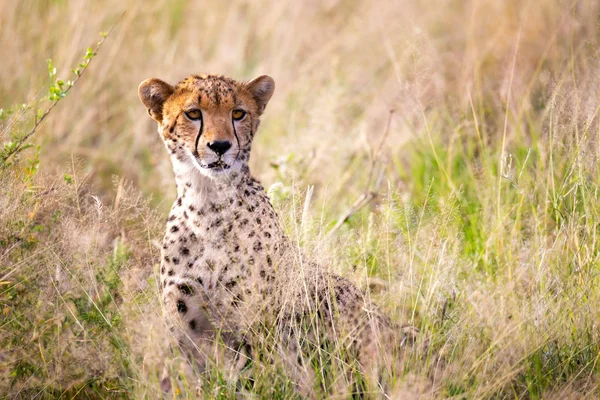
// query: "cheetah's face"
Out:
[208,121]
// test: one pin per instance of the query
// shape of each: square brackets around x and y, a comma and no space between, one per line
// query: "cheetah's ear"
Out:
[261,89]
[153,93]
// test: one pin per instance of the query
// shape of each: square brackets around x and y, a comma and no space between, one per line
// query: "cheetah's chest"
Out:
[229,252]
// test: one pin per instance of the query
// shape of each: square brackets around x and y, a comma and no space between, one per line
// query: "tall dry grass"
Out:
[483,227]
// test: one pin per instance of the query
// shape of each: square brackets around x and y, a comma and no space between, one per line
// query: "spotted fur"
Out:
[227,266]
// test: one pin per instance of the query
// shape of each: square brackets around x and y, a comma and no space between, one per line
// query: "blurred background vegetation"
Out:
[475,215]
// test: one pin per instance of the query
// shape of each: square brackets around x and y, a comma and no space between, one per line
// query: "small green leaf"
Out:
[89,53]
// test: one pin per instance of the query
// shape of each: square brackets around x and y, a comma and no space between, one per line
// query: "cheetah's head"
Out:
[208,121]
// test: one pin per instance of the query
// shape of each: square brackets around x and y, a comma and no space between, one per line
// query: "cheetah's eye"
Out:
[194,114]
[238,115]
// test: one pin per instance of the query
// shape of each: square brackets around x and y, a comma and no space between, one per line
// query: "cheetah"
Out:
[227,268]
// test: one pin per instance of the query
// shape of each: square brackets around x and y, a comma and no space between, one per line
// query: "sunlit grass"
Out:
[482,225]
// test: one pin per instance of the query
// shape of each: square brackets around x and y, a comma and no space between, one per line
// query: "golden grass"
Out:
[484,231]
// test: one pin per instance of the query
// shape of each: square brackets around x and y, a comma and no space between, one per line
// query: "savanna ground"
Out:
[475,216]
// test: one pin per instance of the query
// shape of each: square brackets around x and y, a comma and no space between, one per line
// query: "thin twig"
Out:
[39,121]
[20,115]
[362,201]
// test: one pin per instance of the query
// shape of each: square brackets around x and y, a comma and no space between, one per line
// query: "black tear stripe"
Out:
[236,138]
[199,133]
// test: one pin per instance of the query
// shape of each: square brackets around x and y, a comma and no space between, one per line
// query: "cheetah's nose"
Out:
[219,146]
